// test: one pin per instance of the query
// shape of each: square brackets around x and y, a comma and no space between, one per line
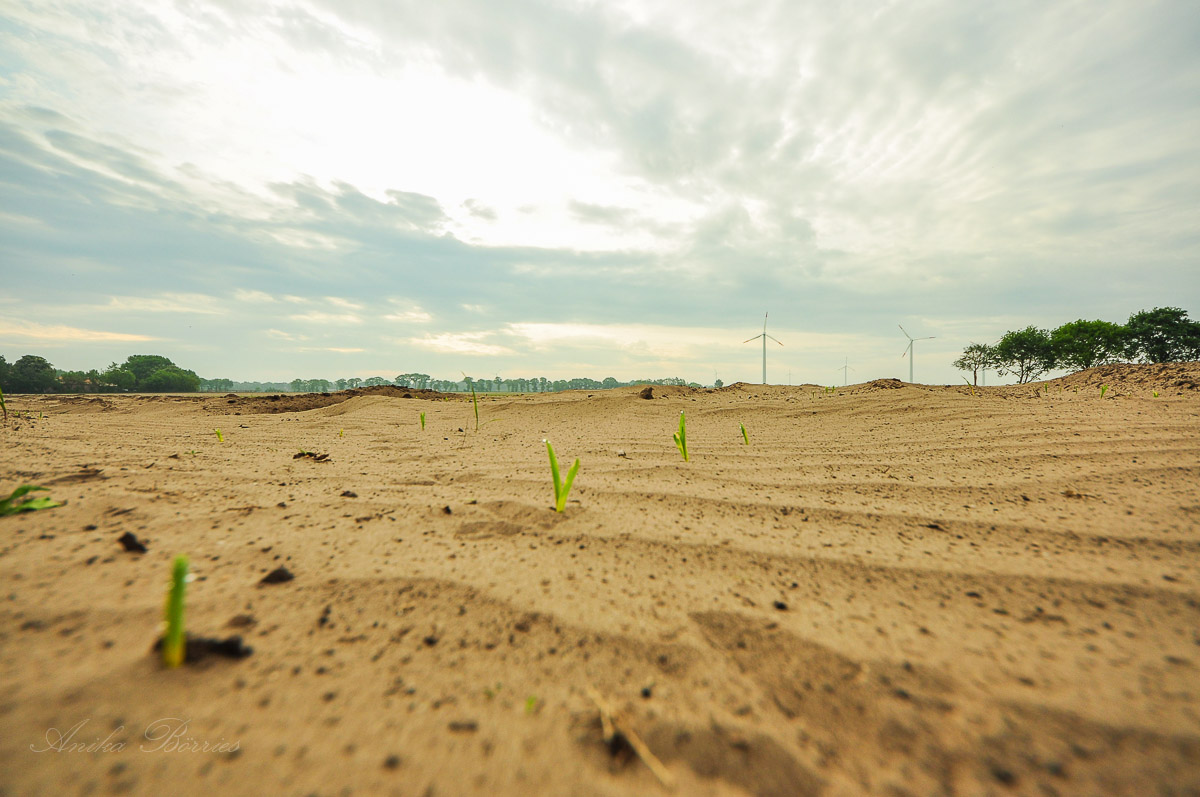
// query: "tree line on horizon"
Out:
[154,373]
[1164,334]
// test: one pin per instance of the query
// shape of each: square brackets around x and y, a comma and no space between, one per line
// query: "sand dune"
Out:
[893,589]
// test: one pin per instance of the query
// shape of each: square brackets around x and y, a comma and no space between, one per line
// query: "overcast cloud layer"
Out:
[330,188]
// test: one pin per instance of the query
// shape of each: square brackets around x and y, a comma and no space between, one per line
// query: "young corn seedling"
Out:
[745,436]
[969,385]
[561,488]
[220,437]
[422,421]
[475,401]
[680,437]
[341,432]
[17,502]
[1156,394]
[174,641]
[1103,390]
[3,408]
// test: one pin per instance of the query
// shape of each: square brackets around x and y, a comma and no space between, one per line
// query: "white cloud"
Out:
[167,303]
[460,343]
[58,332]
[326,318]
[257,297]
[279,334]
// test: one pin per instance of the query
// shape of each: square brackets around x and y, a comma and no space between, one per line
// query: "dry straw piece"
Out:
[615,728]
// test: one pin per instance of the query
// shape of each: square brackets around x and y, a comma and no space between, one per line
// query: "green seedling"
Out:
[422,421]
[475,401]
[969,385]
[174,641]
[341,432]
[1156,394]
[680,437]
[561,488]
[193,452]
[220,437]
[3,406]
[17,502]
[745,436]
[1103,390]
[531,704]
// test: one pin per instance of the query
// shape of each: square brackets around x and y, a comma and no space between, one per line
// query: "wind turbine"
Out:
[844,369]
[764,336]
[909,351]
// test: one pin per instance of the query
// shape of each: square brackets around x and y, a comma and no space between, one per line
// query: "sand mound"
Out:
[300,402]
[1167,378]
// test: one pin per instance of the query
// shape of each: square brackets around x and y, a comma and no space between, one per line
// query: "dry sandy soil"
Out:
[893,589]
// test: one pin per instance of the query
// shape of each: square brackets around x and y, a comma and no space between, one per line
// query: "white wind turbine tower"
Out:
[764,336]
[909,351]
[844,369]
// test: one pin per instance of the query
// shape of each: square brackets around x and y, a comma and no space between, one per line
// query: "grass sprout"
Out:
[745,436]
[341,432]
[3,406]
[1156,394]
[969,385]
[17,502]
[680,437]
[220,437]
[561,488]
[1103,390]
[422,421]
[174,641]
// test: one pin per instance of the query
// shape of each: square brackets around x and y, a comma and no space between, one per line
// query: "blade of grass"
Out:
[680,437]
[174,641]
[16,502]
[745,435]
[561,489]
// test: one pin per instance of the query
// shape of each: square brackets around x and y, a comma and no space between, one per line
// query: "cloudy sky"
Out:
[334,188]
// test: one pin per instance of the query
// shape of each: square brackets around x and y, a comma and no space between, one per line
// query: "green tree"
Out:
[975,358]
[142,366]
[5,368]
[1027,353]
[170,380]
[1164,334]
[31,374]
[73,381]
[1084,344]
[117,377]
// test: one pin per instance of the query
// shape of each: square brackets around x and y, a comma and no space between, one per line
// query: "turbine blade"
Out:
[905,333]
[774,339]
[756,337]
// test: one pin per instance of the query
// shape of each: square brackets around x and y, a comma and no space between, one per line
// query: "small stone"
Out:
[277,576]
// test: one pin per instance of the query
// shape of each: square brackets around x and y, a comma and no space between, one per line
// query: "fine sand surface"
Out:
[893,589]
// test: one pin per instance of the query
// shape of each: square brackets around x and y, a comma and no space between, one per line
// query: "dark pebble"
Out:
[131,543]
[277,576]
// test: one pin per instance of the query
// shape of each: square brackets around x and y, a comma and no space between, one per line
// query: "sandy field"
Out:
[893,589]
